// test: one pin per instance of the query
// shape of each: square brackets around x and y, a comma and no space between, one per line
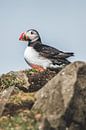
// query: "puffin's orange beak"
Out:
[22,37]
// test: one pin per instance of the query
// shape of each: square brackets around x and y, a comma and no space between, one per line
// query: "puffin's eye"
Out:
[32,33]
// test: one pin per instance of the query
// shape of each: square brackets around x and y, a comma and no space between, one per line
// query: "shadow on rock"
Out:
[75,115]
[12,109]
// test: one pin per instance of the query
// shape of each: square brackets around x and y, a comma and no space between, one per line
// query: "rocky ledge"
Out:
[59,96]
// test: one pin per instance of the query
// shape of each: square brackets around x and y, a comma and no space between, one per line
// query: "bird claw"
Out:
[38,68]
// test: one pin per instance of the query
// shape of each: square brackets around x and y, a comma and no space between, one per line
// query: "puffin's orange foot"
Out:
[38,68]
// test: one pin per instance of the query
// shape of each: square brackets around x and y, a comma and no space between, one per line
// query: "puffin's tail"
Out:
[68,54]
[64,56]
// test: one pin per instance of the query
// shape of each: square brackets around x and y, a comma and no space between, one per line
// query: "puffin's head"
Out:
[30,36]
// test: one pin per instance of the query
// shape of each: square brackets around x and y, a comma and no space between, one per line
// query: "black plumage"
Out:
[56,56]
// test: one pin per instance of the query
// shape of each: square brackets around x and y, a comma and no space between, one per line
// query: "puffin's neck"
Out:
[32,43]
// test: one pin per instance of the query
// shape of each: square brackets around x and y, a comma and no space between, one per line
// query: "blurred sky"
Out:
[61,23]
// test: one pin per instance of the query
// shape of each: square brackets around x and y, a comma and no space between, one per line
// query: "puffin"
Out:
[40,56]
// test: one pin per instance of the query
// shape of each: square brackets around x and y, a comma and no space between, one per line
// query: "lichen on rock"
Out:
[13,78]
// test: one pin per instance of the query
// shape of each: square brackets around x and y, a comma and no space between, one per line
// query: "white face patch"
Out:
[33,36]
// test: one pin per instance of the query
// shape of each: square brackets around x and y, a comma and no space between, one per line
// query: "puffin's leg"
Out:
[37,67]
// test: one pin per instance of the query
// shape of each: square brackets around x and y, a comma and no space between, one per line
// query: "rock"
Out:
[26,80]
[63,98]
[45,125]
[12,78]
[4,96]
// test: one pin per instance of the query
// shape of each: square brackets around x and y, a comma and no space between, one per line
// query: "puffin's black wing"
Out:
[55,55]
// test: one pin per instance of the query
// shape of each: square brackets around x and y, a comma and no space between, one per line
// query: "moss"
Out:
[9,79]
[21,121]
[31,71]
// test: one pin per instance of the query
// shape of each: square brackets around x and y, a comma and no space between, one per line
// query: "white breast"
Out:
[33,57]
